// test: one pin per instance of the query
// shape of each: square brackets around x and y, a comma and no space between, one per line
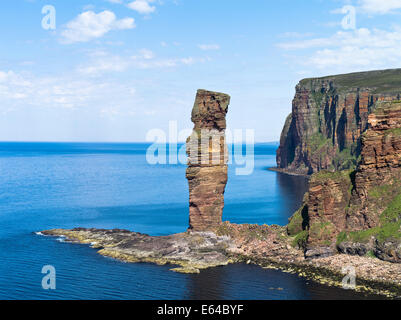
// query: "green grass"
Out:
[295,224]
[318,97]
[382,233]
[362,236]
[393,132]
[380,191]
[317,141]
[388,198]
[301,240]
[324,175]
[393,211]
[389,231]
[345,160]
[370,254]
[381,107]
[300,220]
[322,230]
[342,236]
[381,81]
[390,223]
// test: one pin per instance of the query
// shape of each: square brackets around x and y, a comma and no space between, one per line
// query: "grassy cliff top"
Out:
[380,81]
[381,107]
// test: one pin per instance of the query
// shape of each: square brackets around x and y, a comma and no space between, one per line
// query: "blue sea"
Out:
[67,185]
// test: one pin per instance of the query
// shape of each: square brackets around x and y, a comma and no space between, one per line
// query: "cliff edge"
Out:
[329,116]
[358,212]
[338,215]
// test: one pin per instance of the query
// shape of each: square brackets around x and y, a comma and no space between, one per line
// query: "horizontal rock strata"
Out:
[358,211]
[207,160]
[267,246]
[328,117]
[190,252]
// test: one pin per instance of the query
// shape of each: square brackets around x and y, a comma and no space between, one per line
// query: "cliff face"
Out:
[359,212]
[328,199]
[207,160]
[379,171]
[328,118]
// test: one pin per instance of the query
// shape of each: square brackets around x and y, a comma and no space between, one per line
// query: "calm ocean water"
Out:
[66,185]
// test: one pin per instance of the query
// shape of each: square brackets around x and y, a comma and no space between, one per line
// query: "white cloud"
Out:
[142,6]
[380,6]
[22,90]
[103,62]
[13,85]
[41,91]
[188,61]
[207,47]
[142,62]
[351,50]
[147,54]
[89,25]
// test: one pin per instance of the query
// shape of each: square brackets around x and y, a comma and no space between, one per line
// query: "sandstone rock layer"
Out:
[328,117]
[359,211]
[207,160]
[191,252]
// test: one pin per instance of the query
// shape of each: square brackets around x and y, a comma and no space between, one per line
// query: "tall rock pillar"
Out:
[207,160]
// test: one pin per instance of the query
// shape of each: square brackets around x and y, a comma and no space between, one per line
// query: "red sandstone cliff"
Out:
[359,212]
[328,118]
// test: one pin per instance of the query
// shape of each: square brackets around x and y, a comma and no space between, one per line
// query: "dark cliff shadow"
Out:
[292,189]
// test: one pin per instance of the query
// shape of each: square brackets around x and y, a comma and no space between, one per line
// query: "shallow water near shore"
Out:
[67,185]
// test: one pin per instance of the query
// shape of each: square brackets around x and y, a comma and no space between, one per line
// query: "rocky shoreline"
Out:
[190,252]
[266,246]
[355,212]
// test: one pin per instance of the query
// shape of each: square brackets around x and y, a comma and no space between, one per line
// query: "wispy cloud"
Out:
[103,62]
[90,25]
[208,47]
[350,50]
[380,6]
[44,91]
[69,92]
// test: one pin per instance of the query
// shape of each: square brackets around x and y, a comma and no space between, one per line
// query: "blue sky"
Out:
[114,69]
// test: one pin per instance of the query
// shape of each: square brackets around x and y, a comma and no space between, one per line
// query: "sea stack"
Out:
[207,161]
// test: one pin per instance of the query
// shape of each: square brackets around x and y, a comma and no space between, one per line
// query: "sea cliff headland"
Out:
[348,217]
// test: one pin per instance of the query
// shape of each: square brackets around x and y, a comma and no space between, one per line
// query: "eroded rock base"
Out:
[191,252]
[267,246]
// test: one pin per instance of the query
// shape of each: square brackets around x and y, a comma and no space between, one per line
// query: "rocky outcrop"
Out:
[267,246]
[327,201]
[207,160]
[328,117]
[374,216]
[332,215]
[189,252]
[359,212]
[379,172]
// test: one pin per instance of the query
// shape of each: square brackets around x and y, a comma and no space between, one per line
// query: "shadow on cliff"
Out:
[292,189]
